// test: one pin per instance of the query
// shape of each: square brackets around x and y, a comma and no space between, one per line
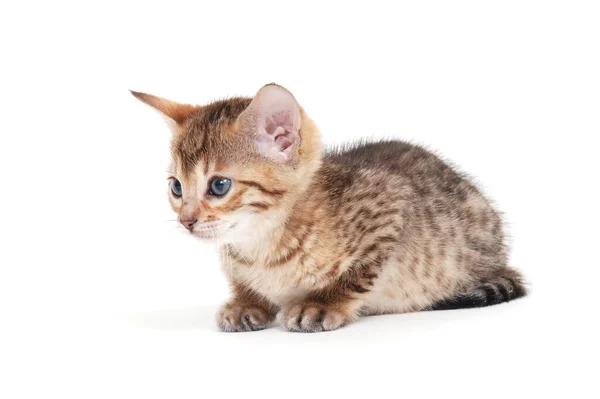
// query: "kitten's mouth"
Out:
[210,230]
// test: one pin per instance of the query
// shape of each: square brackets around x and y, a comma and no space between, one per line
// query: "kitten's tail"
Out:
[505,285]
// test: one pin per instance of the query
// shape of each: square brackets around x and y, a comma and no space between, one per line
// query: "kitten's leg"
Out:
[335,306]
[246,311]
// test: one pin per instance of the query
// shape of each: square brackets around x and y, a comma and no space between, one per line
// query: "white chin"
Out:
[218,233]
[204,236]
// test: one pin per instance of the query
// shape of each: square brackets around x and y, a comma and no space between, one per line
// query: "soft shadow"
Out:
[173,319]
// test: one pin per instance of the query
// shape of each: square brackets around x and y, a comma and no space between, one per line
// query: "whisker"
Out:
[240,254]
[225,254]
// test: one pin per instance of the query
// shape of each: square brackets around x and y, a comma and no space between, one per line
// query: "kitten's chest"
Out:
[280,285]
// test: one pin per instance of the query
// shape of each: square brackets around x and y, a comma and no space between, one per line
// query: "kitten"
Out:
[326,237]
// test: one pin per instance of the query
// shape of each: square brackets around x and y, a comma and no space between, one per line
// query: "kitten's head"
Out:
[238,164]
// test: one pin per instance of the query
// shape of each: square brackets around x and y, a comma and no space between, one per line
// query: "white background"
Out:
[102,296]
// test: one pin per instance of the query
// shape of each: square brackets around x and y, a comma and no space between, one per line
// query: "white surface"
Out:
[101,296]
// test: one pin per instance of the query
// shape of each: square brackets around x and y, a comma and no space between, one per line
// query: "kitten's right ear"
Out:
[175,113]
[273,119]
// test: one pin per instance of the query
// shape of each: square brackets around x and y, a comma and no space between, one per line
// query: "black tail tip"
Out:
[501,289]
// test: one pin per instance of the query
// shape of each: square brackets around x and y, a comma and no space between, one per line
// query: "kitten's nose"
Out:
[188,223]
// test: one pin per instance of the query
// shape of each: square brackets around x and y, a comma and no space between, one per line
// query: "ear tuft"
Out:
[172,110]
[273,118]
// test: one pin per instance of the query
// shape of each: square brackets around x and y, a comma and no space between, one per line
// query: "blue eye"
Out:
[176,188]
[219,186]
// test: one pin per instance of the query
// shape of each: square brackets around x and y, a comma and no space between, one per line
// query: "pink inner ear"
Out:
[274,119]
[280,127]
[281,135]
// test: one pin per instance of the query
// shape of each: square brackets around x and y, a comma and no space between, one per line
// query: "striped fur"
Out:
[322,238]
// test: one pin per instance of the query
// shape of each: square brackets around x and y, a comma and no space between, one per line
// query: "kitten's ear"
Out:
[273,118]
[175,112]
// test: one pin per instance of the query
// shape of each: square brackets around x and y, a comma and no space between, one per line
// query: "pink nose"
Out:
[188,223]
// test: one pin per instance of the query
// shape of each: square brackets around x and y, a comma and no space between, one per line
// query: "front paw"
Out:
[314,317]
[235,317]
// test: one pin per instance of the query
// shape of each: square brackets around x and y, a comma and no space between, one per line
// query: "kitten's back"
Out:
[444,218]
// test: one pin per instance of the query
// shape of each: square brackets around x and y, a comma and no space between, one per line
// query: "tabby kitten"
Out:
[323,238]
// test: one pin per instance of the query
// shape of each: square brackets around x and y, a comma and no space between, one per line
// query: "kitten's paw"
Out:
[243,317]
[314,317]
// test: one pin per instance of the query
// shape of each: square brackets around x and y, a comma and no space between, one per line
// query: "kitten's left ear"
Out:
[273,118]
[175,112]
